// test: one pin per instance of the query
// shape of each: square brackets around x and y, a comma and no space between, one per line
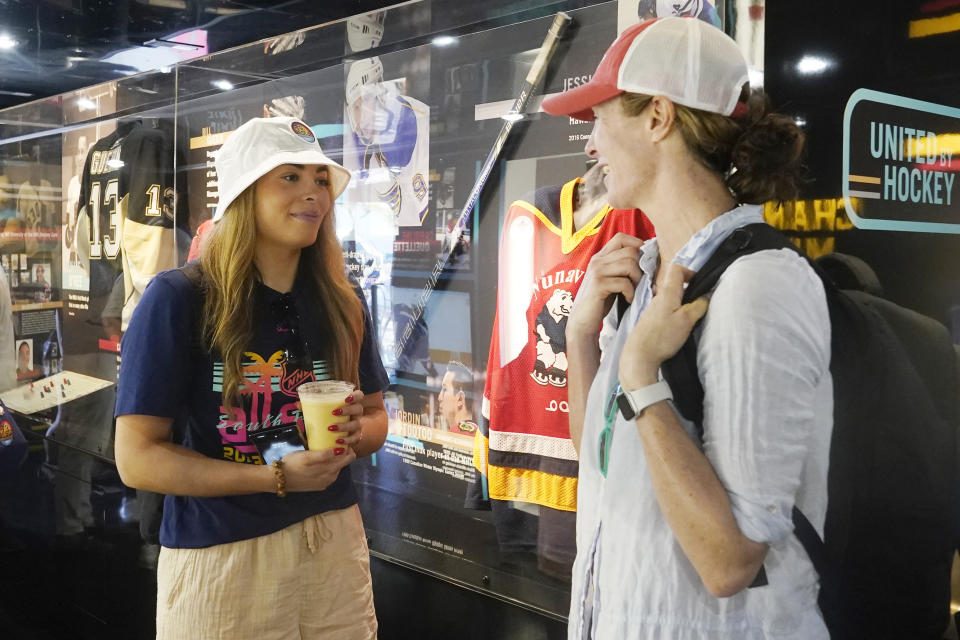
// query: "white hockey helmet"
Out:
[362,73]
[365,31]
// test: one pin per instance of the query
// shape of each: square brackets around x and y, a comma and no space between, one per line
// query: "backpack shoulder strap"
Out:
[680,371]
[741,242]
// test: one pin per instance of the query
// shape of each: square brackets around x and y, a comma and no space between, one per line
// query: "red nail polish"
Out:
[338,411]
[337,451]
[349,399]
[339,440]
[333,427]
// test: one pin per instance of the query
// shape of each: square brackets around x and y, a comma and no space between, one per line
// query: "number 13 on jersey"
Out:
[106,245]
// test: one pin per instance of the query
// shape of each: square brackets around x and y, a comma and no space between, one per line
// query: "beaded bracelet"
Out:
[281,479]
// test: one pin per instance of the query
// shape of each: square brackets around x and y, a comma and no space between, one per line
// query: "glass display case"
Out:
[104,187]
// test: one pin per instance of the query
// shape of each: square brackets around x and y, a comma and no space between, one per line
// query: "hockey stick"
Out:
[560,23]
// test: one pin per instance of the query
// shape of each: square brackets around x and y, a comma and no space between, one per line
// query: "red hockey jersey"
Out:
[523,446]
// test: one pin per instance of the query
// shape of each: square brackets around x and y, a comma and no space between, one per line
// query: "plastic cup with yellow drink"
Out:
[317,401]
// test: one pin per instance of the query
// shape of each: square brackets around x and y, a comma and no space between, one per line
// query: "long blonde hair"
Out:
[229,278]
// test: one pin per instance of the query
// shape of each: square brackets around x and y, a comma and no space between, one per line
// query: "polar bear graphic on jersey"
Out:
[551,324]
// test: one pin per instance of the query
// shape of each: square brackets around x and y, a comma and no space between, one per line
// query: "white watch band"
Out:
[640,399]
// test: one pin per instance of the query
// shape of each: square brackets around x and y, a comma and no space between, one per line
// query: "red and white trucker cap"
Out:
[685,59]
[263,144]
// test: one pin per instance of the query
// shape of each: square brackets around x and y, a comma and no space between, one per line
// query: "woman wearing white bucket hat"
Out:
[215,352]
[683,535]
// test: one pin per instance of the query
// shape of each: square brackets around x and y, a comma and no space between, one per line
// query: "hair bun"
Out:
[767,155]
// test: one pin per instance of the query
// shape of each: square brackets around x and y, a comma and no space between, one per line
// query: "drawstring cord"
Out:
[316,532]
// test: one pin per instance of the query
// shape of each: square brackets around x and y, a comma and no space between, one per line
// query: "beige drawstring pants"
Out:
[308,581]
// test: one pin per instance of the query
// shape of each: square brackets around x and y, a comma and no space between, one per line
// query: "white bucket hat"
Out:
[263,144]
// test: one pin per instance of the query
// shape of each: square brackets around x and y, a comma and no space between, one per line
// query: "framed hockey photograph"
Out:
[40,273]
[386,139]
[630,12]
[24,355]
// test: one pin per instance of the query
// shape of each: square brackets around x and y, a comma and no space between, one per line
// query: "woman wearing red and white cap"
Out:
[678,539]
[214,353]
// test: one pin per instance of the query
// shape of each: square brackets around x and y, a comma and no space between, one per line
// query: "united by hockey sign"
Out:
[899,172]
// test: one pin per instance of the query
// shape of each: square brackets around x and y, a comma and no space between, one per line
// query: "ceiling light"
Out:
[443,41]
[6,42]
[801,121]
[810,65]
[223,85]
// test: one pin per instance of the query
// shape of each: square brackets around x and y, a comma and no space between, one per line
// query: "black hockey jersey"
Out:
[128,210]
[127,202]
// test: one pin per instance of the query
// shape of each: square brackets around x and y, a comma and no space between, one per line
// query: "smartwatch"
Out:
[632,403]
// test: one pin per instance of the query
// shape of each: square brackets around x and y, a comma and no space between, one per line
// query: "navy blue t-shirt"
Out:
[165,373]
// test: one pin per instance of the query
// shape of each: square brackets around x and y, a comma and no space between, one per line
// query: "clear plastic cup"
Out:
[317,401]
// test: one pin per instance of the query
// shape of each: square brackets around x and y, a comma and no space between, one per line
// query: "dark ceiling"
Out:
[60,45]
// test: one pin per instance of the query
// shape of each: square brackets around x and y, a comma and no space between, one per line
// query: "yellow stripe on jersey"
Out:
[523,204]
[525,485]
[480,449]
[570,239]
[406,105]
[528,485]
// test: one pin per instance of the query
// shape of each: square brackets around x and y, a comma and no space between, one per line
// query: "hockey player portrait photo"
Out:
[386,145]
[25,369]
[453,401]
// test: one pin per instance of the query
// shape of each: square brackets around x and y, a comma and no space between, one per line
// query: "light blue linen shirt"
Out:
[763,355]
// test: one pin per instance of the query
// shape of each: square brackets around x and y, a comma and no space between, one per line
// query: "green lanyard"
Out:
[606,436]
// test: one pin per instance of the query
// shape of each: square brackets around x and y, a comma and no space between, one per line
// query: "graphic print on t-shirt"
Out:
[268,399]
